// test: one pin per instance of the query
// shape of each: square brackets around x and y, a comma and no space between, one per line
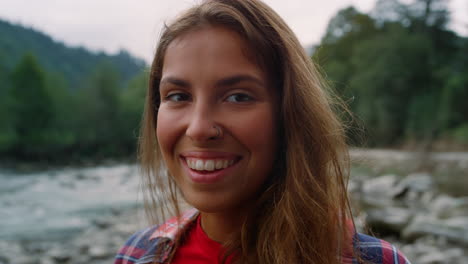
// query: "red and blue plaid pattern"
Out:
[156,244]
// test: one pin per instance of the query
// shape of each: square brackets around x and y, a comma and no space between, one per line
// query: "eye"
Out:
[177,97]
[239,98]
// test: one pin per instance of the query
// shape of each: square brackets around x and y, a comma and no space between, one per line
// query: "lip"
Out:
[208,155]
[212,176]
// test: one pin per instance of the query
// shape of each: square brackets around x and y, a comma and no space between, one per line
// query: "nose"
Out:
[202,126]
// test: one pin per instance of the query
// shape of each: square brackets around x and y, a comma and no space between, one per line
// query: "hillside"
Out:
[74,63]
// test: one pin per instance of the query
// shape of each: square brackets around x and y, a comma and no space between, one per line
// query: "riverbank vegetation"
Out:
[402,71]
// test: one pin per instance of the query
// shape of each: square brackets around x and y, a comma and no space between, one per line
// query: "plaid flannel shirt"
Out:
[156,244]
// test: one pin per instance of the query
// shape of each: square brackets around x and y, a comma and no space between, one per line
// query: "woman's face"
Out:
[207,82]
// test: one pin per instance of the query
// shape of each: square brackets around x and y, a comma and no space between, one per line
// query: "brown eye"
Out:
[239,98]
[177,97]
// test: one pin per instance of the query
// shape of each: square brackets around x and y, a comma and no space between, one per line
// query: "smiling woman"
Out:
[216,90]
[238,124]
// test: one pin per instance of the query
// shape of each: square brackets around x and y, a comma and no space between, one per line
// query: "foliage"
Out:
[61,104]
[31,106]
[405,71]
[44,120]
[74,64]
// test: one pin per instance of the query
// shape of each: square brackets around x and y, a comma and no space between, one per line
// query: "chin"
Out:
[210,204]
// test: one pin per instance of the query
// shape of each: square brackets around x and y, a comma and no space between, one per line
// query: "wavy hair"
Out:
[302,211]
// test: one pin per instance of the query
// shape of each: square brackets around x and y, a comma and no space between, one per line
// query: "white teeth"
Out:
[208,165]
[219,164]
[199,165]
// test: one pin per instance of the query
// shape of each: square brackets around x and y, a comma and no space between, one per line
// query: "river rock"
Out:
[453,229]
[101,223]
[415,182]
[60,254]
[389,220]
[378,192]
[444,206]
[4,260]
[46,260]
[100,252]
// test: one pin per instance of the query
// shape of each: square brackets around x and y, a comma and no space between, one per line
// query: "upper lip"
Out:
[209,155]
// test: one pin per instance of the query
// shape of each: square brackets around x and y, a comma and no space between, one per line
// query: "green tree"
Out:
[98,108]
[401,66]
[61,129]
[7,130]
[131,109]
[31,105]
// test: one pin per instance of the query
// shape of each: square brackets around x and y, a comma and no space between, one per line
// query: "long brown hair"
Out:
[300,215]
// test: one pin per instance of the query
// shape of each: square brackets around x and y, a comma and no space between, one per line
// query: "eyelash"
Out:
[169,97]
[181,97]
[243,95]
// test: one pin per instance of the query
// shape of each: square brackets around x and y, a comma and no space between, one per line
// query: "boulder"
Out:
[378,192]
[389,220]
[453,229]
[414,183]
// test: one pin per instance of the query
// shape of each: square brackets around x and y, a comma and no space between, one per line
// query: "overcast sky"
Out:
[111,25]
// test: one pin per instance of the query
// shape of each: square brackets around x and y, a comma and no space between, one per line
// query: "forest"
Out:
[402,72]
[400,69]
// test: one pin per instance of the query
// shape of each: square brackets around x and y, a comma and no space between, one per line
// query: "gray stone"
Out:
[433,257]
[453,229]
[414,183]
[4,260]
[389,220]
[101,223]
[47,260]
[99,252]
[378,192]
[60,254]
[24,260]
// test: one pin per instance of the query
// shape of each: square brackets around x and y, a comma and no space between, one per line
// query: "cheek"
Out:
[259,135]
[166,132]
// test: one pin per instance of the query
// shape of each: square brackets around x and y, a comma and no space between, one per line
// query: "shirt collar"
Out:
[172,228]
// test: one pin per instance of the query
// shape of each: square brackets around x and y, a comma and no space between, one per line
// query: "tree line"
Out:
[44,120]
[403,73]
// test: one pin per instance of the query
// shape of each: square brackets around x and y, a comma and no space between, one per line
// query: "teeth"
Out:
[199,165]
[219,164]
[208,165]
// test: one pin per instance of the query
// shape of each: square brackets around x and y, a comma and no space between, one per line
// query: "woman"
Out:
[238,124]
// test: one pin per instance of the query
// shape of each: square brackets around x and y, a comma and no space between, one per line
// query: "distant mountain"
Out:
[74,63]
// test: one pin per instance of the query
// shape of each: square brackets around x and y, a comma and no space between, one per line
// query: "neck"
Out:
[219,226]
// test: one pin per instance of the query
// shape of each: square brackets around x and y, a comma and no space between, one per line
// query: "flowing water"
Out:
[57,203]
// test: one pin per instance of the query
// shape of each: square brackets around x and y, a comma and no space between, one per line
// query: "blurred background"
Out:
[73,76]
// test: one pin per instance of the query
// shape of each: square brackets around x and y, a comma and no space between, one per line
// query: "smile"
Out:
[209,167]
[208,164]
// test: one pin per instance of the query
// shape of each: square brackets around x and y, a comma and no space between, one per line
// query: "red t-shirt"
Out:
[198,248]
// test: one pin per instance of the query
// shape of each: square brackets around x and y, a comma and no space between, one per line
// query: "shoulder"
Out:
[137,246]
[154,243]
[378,251]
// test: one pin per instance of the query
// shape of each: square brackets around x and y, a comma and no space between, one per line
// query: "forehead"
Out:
[210,50]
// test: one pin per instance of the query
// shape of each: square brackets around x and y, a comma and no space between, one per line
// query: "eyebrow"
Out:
[175,81]
[228,81]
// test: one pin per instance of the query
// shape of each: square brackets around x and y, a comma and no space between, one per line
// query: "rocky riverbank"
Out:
[412,206]
[96,244]
[419,203]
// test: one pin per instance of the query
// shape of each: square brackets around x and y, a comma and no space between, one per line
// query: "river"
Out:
[57,203]
[83,215]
